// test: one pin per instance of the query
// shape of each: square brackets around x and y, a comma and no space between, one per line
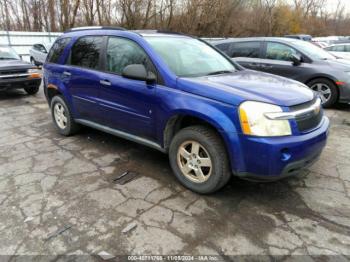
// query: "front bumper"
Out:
[276,158]
[19,83]
[344,93]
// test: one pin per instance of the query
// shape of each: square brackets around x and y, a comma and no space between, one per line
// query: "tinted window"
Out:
[122,52]
[277,51]
[225,47]
[86,52]
[57,50]
[347,48]
[40,48]
[245,49]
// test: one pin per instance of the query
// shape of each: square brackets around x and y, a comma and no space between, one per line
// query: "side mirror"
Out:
[296,59]
[138,72]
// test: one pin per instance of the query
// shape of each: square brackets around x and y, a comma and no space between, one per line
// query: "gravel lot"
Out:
[57,196]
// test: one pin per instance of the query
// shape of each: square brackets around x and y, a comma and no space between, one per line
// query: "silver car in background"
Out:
[38,53]
[340,50]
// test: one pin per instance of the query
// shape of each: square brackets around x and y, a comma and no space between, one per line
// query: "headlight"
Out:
[34,73]
[255,123]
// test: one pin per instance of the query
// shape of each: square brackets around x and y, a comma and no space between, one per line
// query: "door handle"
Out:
[66,73]
[105,82]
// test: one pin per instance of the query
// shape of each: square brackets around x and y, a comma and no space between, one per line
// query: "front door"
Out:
[277,60]
[127,105]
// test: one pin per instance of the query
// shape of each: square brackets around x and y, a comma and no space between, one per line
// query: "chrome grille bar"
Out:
[316,107]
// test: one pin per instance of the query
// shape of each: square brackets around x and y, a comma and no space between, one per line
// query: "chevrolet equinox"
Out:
[181,96]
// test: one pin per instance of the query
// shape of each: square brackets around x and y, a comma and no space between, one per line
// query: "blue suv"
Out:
[181,96]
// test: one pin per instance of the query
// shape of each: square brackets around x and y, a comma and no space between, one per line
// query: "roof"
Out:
[139,32]
[250,39]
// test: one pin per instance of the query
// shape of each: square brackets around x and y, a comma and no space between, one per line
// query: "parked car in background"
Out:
[300,37]
[213,117]
[339,50]
[320,44]
[17,74]
[38,53]
[295,59]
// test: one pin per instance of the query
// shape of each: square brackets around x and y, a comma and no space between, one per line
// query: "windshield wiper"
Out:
[220,72]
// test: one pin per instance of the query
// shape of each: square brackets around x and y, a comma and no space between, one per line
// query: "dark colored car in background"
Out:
[295,59]
[300,37]
[17,74]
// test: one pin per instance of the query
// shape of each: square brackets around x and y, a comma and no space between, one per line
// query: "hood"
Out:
[14,64]
[340,63]
[246,85]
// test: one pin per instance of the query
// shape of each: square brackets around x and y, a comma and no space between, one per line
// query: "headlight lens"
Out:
[255,123]
[34,73]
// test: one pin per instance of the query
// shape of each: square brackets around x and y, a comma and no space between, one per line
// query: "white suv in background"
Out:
[38,53]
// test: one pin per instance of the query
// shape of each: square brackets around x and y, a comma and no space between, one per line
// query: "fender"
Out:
[61,88]
[219,115]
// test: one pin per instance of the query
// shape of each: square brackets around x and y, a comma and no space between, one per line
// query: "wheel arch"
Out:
[182,120]
[326,77]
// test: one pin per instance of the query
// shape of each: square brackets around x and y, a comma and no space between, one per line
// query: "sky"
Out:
[332,4]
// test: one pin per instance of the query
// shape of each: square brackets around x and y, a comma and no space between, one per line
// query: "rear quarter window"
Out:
[57,49]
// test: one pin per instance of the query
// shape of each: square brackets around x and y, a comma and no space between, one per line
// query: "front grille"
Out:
[310,120]
[13,74]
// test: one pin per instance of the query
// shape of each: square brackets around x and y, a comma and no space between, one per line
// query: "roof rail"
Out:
[75,29]
[169,32]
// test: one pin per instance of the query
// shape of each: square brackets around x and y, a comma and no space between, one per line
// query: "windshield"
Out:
[313,51]
[189,57]
[7,53]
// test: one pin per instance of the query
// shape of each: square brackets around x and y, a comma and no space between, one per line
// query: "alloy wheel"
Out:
[323,90]
[60,116]
[194,161]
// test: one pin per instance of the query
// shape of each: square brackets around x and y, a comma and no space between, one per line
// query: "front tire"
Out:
[33,62]
[62,117]
[199,160]
[327,91]
[32,90]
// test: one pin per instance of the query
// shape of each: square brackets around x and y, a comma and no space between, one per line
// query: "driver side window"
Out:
[122,52]
[277,51]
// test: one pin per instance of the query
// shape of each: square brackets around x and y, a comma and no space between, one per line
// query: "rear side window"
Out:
[122,52]
[246,49]
[225,47]
[339,48]
[86,52]
[57,50]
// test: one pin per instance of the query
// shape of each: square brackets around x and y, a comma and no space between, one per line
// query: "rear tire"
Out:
[206,171]
[327,90]
[32,90]
[62,117]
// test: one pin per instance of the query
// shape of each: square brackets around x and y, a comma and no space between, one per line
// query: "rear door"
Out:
[81,76]
[277,60]
[247,54]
